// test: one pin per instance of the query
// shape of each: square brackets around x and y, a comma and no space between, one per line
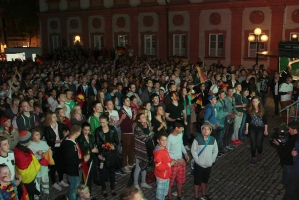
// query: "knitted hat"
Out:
[205,124]
[3,120]
[24,137]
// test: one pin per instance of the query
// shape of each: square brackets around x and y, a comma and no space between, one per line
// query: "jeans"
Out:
[286,174]
[169,128]
[237,124]
[220,135]
[256,135]
[103,177]
[74,183]
[136,173]
[242,127]
[228,133]
[187,131]
[264,99]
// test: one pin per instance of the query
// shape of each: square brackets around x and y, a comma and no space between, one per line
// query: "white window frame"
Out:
[122,40]
[181,49]
[252,52]
[217,51]
[151,49]
[55,41]
[292,33]
[97,41]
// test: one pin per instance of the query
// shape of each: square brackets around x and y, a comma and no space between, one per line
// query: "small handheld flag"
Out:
[201,75]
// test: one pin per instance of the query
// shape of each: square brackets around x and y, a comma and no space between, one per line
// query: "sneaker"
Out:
[234,142]
[253,161]
[57,187]
[145,185]
[259,158]
[126,169]
[137,186]
[229,147]
[203,198]
[187,148]
[175,194]
[63,184]
[131,166]
[232,146]
[120,172]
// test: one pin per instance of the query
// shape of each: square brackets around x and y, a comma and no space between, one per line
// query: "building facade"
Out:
[208,29]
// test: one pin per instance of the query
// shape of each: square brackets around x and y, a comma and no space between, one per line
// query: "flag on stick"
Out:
[39,59]
[47,159]
[201,75]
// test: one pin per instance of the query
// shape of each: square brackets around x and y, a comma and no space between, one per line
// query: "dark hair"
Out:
[169,85]
[61,197]
[294,125]
[161,135]
[138,117]
[221,91]
[94,103]
[178,124]
[133,97]
[104,116]
[124,98]
[154,95]
[85,124]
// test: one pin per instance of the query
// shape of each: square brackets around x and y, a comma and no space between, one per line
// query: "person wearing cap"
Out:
[161,94]
[211,112]
[27,164]
[9,132]
[207,145]
[275,91]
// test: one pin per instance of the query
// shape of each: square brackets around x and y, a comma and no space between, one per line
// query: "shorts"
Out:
[201,175]
[178,173]
[162,188]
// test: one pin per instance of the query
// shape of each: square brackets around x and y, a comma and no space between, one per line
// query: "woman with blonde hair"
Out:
[101,97]
[257,127]
[54,132]
[76,115]
[61,117]
[158,122]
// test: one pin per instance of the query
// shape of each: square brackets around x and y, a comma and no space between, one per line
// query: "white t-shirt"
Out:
[284,87]
[175,146]
[9,160]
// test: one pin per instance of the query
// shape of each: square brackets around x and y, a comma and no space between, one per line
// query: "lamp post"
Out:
[258,37]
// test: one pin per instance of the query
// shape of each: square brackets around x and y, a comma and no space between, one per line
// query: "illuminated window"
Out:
[98,41]
[179,45]
[216,45]
[122,40]
[252,47]
[149,44]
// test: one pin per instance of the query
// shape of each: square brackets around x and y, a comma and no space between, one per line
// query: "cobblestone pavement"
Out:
[232,176]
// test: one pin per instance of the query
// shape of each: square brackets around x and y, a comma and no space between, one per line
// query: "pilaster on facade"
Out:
[108,30]
[134,31]
[276,32]
[236,36]
[162,50]
[194,34]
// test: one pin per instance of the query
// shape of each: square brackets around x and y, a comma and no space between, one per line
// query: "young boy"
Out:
[83,192]
[39,148]
[8,189]
[163,165]
[176,148]
[205,145]
[26,163]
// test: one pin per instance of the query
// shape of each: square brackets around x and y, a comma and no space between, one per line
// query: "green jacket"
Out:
[94,123]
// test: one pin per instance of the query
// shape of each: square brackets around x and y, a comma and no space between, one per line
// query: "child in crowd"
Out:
[163,165]
[8,189]
[204,151]
[83,192]
[39,148]
[176,150]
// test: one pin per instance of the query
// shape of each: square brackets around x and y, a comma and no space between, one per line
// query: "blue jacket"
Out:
[211,114]
[221,112]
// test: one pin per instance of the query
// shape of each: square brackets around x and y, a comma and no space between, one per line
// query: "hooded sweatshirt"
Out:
[209,154]
[162,163]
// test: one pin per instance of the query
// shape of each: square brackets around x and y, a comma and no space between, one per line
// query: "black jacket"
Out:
[285,151]
[50,135]
[85,146]
[100,137]
[70,157]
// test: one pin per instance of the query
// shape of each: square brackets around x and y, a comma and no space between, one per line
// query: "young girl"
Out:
[257,126]
[147,107]
[39,148]
[116,103]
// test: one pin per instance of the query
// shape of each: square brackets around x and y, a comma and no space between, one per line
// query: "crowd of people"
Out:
[87,112]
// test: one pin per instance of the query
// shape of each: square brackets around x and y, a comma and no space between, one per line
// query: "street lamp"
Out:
[258,37]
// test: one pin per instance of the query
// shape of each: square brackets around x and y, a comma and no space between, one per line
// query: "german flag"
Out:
[39,59]
[26,164]
[121,51]
[47,159]
[201,75]
[25,195]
